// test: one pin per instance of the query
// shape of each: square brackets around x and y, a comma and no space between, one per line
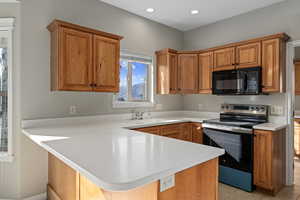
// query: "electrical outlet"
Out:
[277,110]
[200,106]
[167,183]
[72,110]
[159,106]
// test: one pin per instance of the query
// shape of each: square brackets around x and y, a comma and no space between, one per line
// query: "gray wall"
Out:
[9,171]
[297,100]
[282,17]
[140,35]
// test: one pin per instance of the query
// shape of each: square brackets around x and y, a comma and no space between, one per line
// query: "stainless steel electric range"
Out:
[233,131]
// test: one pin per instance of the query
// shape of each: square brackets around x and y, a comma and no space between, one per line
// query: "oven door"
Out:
[227,82]
[238,148]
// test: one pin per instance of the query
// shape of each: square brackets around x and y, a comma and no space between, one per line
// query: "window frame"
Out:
[6,29]
[150,88]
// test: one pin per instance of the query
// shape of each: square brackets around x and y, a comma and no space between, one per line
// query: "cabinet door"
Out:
[263,146]
[271,66]
[173,64]
[75,60]
[187,132]
[205,72]
[106,64]
[224,59]
[248,55]
[297,78]
[188,73]
[167,73]
[197,133]
[172,131]
[152,130]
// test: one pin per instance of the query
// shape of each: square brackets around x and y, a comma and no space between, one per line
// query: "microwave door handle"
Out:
[245,83]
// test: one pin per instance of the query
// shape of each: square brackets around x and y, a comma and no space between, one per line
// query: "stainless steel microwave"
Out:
[246,81]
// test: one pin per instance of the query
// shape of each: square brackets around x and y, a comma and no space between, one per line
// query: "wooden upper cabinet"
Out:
[297,77]
[273,66]
[75,71]
[106,64]
[167,72]
[224,59]
[188,73]
[248,55]
[205,72]
[83,59]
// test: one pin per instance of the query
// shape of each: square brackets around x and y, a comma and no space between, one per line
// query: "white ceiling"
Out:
[176,13]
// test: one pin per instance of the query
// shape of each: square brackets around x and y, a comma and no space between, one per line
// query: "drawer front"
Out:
[152,130]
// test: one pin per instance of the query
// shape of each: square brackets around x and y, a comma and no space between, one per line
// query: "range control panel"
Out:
[245,109]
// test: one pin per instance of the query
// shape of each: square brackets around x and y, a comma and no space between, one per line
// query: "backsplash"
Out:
[212,103]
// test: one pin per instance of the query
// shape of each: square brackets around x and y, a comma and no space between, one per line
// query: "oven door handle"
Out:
[228,128]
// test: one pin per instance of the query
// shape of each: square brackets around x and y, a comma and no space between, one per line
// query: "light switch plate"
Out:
[277,110]
[167,183]
[200,106]
[72,110]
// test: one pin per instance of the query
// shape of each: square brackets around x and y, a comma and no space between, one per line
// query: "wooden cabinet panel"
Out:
[297,137]
[153,130]
[187,132]
[173,64]
[83,59]
[224,59]
[197,133]
[172,131]
[62,179]
[297,78]
[106,64]
[167,72]
[197,183]
[188,73]
[272,66]
[75,72]
[248,55]
[269,162]
[263,159]
[205,72]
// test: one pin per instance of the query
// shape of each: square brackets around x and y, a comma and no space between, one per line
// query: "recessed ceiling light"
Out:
[150,10]
[194,12]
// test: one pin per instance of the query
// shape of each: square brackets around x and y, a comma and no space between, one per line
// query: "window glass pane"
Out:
[3,94]
[139,81]
[123,93]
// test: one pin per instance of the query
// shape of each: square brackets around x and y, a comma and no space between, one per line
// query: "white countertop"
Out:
[116,158]
[270,126]
[103,149]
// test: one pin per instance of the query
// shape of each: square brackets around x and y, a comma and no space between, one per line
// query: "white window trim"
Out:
[6,29]
[150,90]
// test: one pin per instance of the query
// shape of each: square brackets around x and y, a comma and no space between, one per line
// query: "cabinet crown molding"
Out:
[59,23]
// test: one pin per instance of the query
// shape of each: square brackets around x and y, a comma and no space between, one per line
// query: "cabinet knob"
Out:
[91,85]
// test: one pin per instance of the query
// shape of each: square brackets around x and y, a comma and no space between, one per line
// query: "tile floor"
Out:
[287,193]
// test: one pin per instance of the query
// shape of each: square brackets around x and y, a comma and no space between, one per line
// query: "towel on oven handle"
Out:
[232,143]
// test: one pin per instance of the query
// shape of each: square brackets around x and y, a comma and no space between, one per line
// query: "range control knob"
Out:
[252,108]
[257,108]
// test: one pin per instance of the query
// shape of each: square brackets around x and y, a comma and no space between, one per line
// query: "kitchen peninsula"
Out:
[99,158]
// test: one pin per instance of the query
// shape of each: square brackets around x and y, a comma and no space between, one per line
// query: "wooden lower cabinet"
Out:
[196,183]
[297,137]
[191,132]
[269,160]
[197,133]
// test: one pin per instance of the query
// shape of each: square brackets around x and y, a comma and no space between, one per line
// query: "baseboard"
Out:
[42,196]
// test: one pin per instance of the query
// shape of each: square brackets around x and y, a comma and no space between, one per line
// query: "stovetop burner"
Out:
[244,116]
